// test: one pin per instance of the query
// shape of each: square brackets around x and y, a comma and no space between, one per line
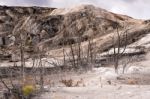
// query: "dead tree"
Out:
[20,36]
[119,46]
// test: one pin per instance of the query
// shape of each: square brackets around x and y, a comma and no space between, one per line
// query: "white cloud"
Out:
[134,8]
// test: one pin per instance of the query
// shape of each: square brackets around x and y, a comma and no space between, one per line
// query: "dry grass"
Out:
[67,83]
[132,81]
[73,83]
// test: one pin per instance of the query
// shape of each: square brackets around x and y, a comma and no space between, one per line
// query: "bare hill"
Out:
[51,28]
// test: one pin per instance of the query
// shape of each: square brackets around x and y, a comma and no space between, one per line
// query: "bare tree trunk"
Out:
[64,56]
[117,45]
[79,61]
[73,56]
[41,75]
[22,61]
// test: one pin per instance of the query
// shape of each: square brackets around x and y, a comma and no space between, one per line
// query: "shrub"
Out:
[28,90]
[68,83]
[132,81]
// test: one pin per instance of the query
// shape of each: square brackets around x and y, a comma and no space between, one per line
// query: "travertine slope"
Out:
[50,28]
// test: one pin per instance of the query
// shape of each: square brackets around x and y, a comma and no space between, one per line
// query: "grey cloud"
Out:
[25,2]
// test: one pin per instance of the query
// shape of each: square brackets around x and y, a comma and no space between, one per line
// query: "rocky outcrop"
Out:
[10,16]
[51,28]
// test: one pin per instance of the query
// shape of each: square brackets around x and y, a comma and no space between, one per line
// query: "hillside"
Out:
[51,28]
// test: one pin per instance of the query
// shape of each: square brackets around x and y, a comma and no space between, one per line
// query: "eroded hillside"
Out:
[53,29]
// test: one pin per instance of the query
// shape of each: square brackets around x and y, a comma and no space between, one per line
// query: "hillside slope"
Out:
[51,28]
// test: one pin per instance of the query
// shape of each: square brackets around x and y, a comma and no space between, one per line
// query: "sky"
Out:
[139,9]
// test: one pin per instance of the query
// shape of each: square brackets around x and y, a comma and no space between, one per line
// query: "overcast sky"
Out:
[135,8]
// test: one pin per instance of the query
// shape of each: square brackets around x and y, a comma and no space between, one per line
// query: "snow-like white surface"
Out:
[106,73]
[135,69]
[144,41]
[110,75]
[107,92]
[97,87]
[122,50]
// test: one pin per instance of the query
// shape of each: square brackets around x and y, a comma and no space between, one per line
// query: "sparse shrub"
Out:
[28,90]
[132,81]
[72,83]
[67,83]
[20,92]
